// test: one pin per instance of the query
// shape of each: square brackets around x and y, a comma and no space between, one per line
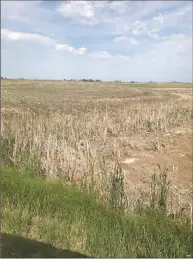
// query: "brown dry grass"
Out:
[78,129]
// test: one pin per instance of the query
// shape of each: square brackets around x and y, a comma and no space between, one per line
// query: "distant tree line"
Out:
[176,82]
[90,80]
[5,78]
[84,80]
[118,81]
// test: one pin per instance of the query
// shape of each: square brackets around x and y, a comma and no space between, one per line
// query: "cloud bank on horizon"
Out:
[107,40]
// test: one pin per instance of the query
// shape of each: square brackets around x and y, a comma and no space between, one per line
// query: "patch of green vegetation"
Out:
[66,218]
[144,85]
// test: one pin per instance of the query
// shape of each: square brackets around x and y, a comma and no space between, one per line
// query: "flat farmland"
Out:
[79,129]
[89,168]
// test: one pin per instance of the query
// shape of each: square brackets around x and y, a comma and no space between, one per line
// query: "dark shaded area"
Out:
[18,247]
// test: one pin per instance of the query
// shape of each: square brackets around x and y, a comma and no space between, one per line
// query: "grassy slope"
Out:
[70,220]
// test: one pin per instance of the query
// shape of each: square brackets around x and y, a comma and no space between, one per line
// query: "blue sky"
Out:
[108,40]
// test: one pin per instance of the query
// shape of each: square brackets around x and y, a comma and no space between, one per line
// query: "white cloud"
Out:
[175,45]
[100,55]
[65,47]
[78,11]
[129,40]
[16,36]
[123,57]
[159,18]
[144,28]
[152,27]
[154,64]
[100,4]
[19,10]
[119,6]
[171,55]
[21,36]
[131,22]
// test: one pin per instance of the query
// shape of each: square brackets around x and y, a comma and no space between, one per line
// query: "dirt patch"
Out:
[176,156]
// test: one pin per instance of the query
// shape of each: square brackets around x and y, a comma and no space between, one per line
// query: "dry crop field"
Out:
[75,131]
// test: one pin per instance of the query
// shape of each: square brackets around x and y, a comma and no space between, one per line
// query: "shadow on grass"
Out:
[18,247]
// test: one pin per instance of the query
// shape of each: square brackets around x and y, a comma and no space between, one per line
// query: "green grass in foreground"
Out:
[67,221]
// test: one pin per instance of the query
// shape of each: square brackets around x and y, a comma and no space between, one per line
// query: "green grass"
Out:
[65,219]
[163,85]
